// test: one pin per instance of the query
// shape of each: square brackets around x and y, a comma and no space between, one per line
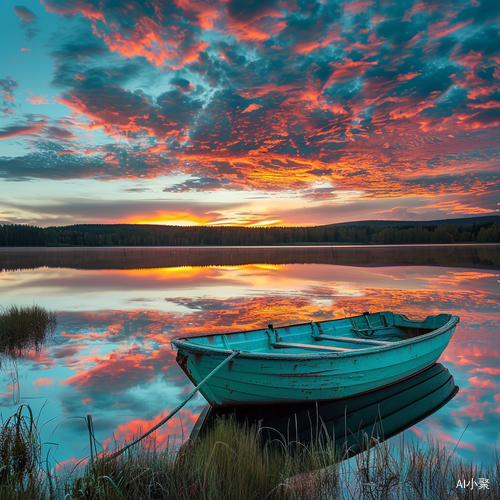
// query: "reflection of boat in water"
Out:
[313,361]
[381,414]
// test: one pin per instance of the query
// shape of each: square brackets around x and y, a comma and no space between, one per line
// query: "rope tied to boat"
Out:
[167,418]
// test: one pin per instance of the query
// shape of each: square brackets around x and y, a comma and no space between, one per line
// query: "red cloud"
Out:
[357,6]
[113,108]
[76,6]
[71,464]
[160,40]
[347,70]
[256,25]
[333,35]
[460,443]
[42,381]
[37,100]
[252,107]
[482,384]
[32,130]
[206,14]
[119,370]
[489,371]
[443,28]
[126,433]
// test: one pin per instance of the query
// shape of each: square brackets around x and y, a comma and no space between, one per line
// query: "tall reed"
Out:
[229,462]
[23,329]
[21,469]
[417,471]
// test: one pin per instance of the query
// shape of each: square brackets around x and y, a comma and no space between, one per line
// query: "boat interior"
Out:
[341,335]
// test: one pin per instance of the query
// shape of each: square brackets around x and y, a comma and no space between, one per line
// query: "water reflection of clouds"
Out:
[75,289]
[114,361]
[119,371]
[175,430]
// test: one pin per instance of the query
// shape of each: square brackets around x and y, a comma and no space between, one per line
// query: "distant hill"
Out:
[484,219]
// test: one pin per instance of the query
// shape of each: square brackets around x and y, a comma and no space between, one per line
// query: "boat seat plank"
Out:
[308,347]
[366,330]
[351,340]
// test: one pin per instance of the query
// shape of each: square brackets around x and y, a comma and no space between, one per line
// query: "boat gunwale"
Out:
[186,344]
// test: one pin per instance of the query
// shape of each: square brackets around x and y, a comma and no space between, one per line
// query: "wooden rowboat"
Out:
[314,361]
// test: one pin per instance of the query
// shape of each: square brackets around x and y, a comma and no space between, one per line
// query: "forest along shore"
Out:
[486,230]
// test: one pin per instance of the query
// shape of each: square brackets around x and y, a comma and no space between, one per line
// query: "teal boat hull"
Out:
[300,363]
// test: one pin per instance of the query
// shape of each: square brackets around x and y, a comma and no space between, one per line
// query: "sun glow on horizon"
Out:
[167,219]
[228,218]
[191,223]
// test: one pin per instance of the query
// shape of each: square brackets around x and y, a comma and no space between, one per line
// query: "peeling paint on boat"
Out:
[276,364]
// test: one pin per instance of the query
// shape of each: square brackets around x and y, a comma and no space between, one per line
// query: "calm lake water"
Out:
[119,309]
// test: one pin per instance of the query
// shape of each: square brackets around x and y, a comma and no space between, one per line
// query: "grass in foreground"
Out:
[21,473]
[23,329]
[418,471]
[230,463]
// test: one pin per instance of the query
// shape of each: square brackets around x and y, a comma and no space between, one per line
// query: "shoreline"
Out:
[294,245]
[465,255]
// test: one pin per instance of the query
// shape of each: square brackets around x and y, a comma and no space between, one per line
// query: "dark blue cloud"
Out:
[7,87]
[27,19]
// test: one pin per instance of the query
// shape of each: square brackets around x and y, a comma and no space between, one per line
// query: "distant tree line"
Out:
[159,235]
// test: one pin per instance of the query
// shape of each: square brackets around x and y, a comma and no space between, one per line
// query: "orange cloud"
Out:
[347,70]
[489,371]
[37,100]
[482,384]
[357,6]
[252,107]
[71,464]
[174,428]
[443,28]
[444,436]
[119,368]
[40,382]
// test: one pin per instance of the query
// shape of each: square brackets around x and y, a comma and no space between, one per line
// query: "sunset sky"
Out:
[248,112]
